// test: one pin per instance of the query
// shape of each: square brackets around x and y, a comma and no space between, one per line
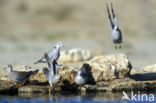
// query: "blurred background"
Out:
[28,28]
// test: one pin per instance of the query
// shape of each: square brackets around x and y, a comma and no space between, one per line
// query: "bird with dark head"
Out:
[116,34]
[82,75]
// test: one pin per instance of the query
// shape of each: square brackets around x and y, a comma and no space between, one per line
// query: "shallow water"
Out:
[66,98]
[69,99]
[77,99]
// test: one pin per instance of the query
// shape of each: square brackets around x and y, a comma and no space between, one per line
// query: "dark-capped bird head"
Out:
[85,68]
[9,67]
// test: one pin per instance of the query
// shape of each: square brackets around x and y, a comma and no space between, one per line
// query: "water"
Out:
[75,99]
[39,98]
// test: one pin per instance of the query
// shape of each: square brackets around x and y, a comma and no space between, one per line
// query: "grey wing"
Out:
[13,76]
[43,59]
[26,75]
[109,16]
[55,66]
[114,17]
[54,54]
[51,53]
[20,76]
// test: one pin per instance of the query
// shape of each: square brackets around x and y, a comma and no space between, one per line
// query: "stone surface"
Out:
[37,89]
[110,67]
[7,87]
[74,55]
[145,69]
[120,85]
[146,73]
[67,74]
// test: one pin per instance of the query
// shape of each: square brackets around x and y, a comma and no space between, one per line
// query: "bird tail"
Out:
[38,61]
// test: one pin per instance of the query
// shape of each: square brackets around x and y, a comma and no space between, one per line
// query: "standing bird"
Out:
[116,34]
[52,54]
[19,76]
[82,75]
[52,74]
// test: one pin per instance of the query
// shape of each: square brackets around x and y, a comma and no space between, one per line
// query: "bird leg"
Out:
[116,46]
[50,89]
[119,46]
[53,90]
[22,84]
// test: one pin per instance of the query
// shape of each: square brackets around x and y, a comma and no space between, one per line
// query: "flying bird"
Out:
[116,34]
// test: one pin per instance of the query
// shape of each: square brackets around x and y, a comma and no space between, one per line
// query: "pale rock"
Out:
[110,67]
[145,69]
[74,55]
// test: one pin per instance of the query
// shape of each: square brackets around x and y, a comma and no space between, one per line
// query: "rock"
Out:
[68,73]
[120,85]
[6,87]
[146,86]
[37,89]
[146,69]
[110,67]
[150,68]
[74,55]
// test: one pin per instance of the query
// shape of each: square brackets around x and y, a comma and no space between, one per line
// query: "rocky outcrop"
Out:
[111,73]
[74,55]
[110,67]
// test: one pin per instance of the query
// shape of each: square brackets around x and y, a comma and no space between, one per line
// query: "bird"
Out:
[82,75]
[53,54]
[19,76]
[52,74]
[116,34]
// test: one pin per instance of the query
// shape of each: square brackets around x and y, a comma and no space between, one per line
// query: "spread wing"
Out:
[109,17]
[114,17]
